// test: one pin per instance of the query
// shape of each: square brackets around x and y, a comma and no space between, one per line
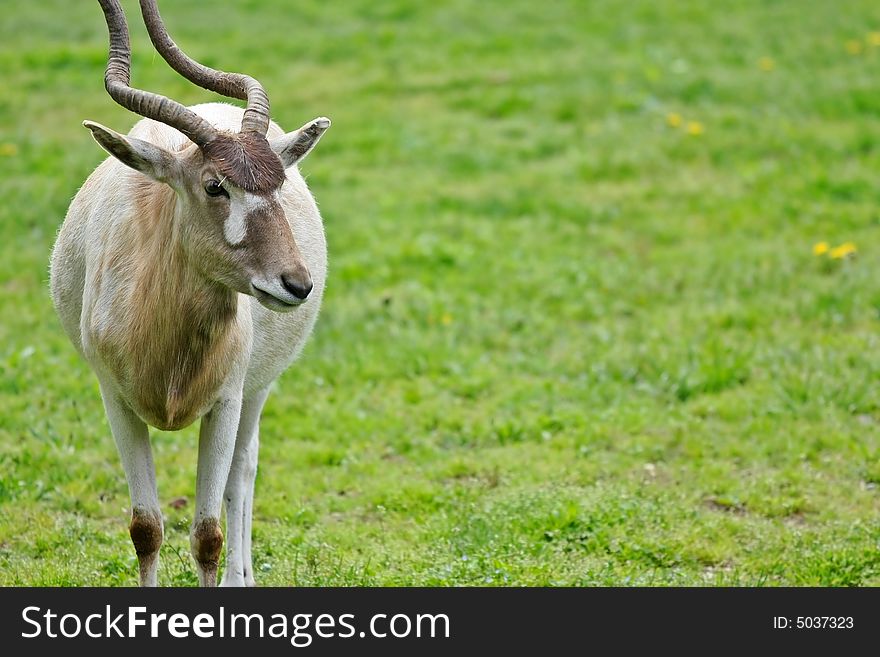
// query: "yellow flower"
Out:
[695,128]
[8,150]
[820,248]
[853,47]
[874,39]
[446,319]
[766,64]
[844,250]
[673,120]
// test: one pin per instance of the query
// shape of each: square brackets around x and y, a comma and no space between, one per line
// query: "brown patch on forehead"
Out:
[267,230]
[246,160]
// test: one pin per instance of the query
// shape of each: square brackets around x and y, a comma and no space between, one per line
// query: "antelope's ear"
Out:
[149,159]
[294,146]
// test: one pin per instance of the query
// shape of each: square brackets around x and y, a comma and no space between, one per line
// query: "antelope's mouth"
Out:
[274,302]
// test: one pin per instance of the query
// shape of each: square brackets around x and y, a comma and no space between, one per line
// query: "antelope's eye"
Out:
[214,188]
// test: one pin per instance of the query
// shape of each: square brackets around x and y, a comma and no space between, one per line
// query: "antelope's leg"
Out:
[216,445]
[133,442]
[240,494]
[247,527]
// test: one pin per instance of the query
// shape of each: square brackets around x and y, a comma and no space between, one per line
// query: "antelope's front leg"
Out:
[216,445]
[240,494]
[133,442]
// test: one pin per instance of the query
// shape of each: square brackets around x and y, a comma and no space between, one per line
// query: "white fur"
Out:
[241,203]
[103,213]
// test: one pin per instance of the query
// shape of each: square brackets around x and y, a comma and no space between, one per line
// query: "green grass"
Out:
[563,342]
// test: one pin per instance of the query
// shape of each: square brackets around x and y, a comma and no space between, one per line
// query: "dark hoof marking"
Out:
[207,542]
[145,530]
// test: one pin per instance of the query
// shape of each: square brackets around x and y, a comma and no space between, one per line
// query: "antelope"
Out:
[188,272]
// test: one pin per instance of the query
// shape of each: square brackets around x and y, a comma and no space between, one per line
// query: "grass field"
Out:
[575,332]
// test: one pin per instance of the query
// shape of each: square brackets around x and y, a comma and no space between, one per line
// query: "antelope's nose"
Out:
[299,284]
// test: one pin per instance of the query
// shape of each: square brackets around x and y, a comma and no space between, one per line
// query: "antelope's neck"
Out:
[168,336]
